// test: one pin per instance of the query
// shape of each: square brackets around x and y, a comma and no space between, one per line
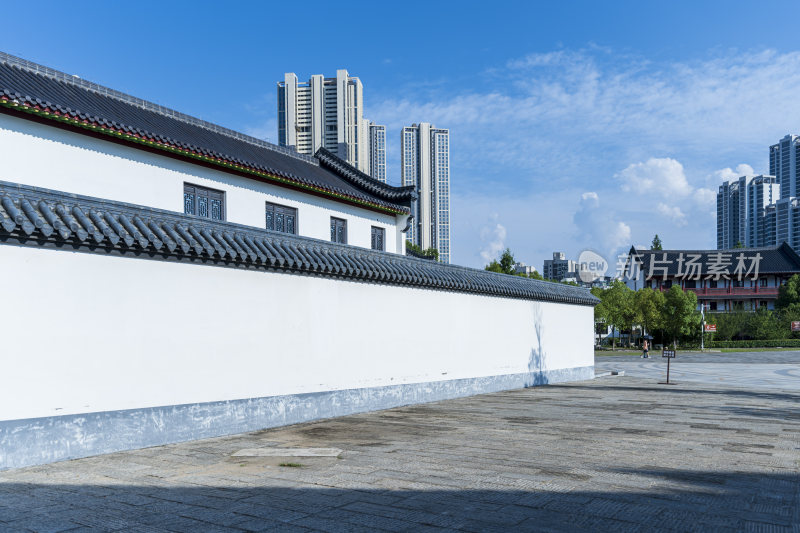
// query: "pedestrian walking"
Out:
[645,349]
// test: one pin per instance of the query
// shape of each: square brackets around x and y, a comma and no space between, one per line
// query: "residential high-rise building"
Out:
[377,151]
[324,112]
[784,164]
[787,222]
[740,210]
[425,164]
[560,267]
[769,223]
[728,215]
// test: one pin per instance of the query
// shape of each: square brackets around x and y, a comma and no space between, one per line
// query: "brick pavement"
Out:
[613,454]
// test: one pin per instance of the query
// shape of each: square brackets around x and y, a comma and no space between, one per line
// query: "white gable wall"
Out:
[44,156]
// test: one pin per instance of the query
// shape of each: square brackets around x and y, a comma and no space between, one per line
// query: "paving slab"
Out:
[619,453]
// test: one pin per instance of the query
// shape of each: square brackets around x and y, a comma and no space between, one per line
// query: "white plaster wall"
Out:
[84,333]
[44,156]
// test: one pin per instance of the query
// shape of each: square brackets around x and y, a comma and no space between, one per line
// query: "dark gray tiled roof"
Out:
[774,260]
[40,217]
[42,89]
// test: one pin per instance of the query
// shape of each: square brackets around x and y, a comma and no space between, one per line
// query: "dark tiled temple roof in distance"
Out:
[28,89]
[37,217]
[774,260]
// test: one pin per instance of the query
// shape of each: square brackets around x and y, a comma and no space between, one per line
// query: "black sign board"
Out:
[669,354]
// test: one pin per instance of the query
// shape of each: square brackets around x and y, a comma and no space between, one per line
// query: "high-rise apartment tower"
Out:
[784,164]
[425,164]
[325,112]
[377,152]
[741,206]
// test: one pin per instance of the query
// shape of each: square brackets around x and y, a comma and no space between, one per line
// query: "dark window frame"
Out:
[200,191]
[378,244]
[335,224]
[278,209]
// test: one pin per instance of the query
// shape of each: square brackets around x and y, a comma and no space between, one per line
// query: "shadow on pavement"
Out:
[642,499]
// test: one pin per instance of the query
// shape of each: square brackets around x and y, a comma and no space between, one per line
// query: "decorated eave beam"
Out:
[44,218]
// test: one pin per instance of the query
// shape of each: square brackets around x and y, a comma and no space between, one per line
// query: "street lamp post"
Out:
[702,325]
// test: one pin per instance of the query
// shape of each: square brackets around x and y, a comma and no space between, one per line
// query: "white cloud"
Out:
[662,176]
[705,197]
[598,227]
[672,212]
[727,174]
[494,241]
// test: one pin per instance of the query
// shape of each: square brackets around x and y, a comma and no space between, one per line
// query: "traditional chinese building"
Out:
[167,279]
[741,279]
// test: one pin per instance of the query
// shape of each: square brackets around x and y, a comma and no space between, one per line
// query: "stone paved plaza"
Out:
[613,454]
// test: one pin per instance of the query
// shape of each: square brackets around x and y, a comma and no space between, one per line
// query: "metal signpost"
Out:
[669,354]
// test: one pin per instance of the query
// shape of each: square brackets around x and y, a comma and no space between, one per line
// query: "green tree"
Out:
[789,293]
[617,308]
[679,313]
[649,304]
[729,325]
[739,244]
[505,265]
[764,325]
[416,250]
[656,243]
[785,317]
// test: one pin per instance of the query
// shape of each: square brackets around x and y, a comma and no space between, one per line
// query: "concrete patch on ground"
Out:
[288,452]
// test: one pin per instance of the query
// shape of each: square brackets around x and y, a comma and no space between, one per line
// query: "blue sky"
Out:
[573,125]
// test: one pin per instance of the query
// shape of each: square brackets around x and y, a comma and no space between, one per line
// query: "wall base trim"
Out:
[48,439]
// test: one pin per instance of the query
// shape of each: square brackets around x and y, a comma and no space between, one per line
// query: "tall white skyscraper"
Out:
[784,164]
[425,164]
[741,206]
[377,152]
[324,112]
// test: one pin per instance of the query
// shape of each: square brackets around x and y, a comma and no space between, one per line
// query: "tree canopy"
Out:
[679,313]
[656,245]
[789,293]
[505,265]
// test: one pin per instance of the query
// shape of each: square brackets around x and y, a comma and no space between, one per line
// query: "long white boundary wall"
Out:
[45,156]
[103,353]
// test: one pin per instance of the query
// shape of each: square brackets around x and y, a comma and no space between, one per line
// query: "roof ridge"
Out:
[38,217]
[362,179]
[141,103]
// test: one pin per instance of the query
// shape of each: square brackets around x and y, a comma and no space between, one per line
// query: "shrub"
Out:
[774,343]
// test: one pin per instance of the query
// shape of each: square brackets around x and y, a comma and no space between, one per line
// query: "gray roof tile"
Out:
[41,217]
[42,89]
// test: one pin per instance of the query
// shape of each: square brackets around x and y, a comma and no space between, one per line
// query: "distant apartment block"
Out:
[377,151]
[522,268]
[741,211]
[784,164]
[560,268]
[425,164]
[326,113]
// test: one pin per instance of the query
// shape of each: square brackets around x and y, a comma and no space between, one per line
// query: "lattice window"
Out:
[338,230]
[378,238]
[203,202]
[281,218]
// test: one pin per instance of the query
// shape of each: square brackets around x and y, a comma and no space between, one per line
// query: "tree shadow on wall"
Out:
[538,357]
